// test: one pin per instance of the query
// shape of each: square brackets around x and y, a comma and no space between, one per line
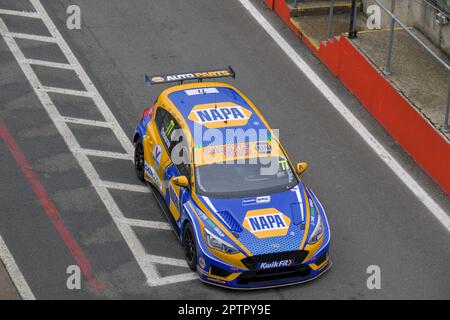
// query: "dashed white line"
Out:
[25,14]
[14,272]
[26,36]
[146,224]
[103,154]
[166,260]
[365,134]
[69,92]
[87,122]
[49,64]
[125,186]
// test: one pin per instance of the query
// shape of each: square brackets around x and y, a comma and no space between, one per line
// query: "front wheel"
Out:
[139,161]
[190,248]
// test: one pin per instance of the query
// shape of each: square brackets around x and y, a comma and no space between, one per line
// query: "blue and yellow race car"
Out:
[233,197]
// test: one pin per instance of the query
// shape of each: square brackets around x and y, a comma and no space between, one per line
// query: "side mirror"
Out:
[301,167]
[181,181]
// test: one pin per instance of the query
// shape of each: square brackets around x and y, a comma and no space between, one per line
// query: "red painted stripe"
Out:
[48,206]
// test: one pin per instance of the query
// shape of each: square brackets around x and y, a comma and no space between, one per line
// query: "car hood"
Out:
[266,224]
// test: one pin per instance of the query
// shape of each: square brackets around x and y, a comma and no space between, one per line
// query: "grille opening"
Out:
[298,256]
[216,271]
[271,275]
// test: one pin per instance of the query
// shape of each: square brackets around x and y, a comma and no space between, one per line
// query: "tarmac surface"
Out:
[7,289]
[374,218]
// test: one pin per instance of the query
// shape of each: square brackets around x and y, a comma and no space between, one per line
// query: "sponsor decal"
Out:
[258,200]
[275,264]
[263,147]
[219,115]
[264,199]
[196,92]
[158,79]
[201,262]
[152,174]
[195,75]
[180,77]
[266,223]
[228,150]
[209,222]
[157,153]
[174,197]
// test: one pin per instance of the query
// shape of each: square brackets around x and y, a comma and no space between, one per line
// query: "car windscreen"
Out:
[252,178]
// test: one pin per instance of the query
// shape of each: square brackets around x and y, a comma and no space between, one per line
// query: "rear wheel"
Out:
[139,161]
[190,248]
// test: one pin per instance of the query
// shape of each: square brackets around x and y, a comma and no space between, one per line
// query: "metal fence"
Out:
[442,5]
[395,21]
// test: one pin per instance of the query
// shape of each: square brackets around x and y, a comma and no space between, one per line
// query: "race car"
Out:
[236,202]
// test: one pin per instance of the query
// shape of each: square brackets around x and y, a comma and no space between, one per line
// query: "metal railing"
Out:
[396,21]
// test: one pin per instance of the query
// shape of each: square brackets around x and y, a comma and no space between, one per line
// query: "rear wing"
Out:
[181,77]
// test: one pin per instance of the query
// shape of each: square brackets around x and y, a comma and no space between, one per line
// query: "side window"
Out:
[180,151]
[169,125]
[159,118]
[174,140]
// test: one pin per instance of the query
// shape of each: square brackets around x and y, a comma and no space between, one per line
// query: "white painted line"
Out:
[164,281]
[126,231]
[48,64]
[14,272]
[70,92]
[25,14]
[165,260]
[30,37]
[146,224]
[125,187]
[376,146]
[86,122]
[103,154]
[100,103]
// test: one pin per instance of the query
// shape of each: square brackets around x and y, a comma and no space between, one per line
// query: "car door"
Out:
[156,155]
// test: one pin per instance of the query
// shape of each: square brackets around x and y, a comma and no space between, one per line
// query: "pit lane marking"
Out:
[82,155]
[146,224]
[78,93]
[49,64]
[25,36]
[86,122]
[14,272]
[340,107]
[25,14]
[125,186]
[103,154]
[165,261]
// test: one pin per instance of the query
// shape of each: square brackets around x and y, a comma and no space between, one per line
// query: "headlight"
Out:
[317,232]
[215,242]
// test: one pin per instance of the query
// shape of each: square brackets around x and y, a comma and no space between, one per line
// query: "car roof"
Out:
[213,105]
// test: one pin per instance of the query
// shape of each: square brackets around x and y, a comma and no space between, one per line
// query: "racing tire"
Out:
[139,161]
[189,246]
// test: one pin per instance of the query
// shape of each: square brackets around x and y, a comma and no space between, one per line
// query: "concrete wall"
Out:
[420,15]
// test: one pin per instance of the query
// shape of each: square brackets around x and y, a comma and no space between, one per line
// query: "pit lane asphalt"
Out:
[375,220]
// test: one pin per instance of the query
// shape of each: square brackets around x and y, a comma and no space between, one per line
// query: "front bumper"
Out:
[221,274]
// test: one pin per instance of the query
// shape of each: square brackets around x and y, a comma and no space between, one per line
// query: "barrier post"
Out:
[387,68]
[330,19]
[445,127]
[352,33]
